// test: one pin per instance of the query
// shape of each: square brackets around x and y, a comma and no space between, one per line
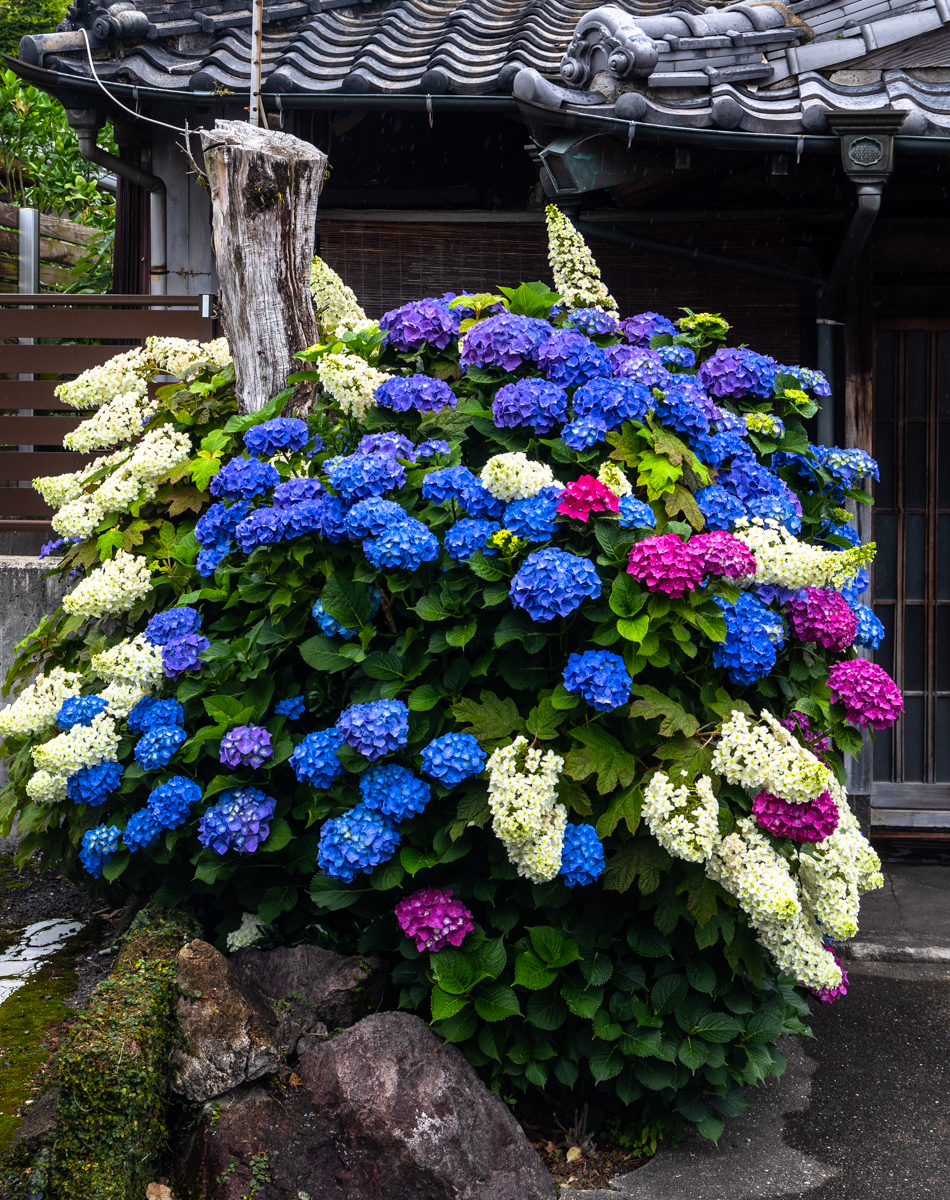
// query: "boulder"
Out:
[411,1103]
[233,1032]
[317,984]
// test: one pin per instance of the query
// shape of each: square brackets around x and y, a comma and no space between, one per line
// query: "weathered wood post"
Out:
[264,191]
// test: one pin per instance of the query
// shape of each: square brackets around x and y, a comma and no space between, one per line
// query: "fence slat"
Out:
[101,323]
[22,502]
[99,300]
[15,464]
[35,431]
[67,360]
[32,393]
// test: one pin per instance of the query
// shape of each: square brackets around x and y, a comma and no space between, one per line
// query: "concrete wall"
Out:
[25,598]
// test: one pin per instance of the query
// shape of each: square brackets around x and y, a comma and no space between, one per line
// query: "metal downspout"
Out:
[86,123]
[869,205]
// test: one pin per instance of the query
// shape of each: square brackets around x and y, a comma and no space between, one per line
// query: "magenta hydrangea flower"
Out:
[724,554]
[433,919]
[246,746]
[586,495]
[830,995]
[822,616]
[666,564]
[868,693]
[797,722]
[812,821]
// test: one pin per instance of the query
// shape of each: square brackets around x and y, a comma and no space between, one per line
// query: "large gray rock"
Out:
[233,1033]
[412,1104]
[315,983]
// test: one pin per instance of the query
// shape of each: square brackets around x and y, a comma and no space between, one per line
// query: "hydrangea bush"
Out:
[530,656]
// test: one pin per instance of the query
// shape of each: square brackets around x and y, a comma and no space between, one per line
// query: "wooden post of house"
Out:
[264,191]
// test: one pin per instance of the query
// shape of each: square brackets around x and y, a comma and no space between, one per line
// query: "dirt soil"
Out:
[591,1166]
[28,895]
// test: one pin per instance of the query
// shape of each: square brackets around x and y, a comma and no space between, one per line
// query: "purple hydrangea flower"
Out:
[600,677]
[407,545]
[316,761]
[243,479]
[394,791]
[738,372]
[420,321]
[174,623]
[812,821]
[869,695]
[452,758]
[822,616]
[277,435]
[571,359]
[725,555]
[183,654]
[374,729]
[639,364]
[554,583]
[433,919]
[357,476]
[389,442]
[582,856]
[537,403]
[639,329]
[420,392]
[292,491]
[356,842]
[240,821]
[504,341]
[666,564]
[246,746]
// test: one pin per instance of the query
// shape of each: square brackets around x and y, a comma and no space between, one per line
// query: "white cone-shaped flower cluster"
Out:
[767,758]
[684,819]
[782,560]
[522,796]
[124,374]
[351,381]
[135,661]
[335,305]
[176,355]
[747,867]
[576,274]
[112,588]
[82,746]
[35,709]
[514,476]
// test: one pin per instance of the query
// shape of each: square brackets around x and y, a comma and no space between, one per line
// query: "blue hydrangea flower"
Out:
[172,801]
[676,356]
[49,548]
[783,509]
[421,392]
[738,372]
[277,435]
[635,514]
[262,527]
[214,531]
[870,629]
[407,545]
[98,846]
[537,403]
[376,728]
[356,842]
[506,340]
[638,363]
[356,476]
[372,516]
[330,625]
[749,480]
[716,448]
[80,710]
[582,856]
[240,821]
[584,432]
[141,830]
[600,677]
[858,585]
[814,381]
[292,491]
[93,785]
[157,747]
[430,448]
[420,321]
[753,635]
[183,654]
[593,322]
[325,515]
[243,479]
[639,329]
[292,708]
[174,623]
[847,533]
[680,411]
[469,535]
[848,466]
[571,359]
[452,758]
[389,442]
[533,519]
[552,583]
[447,483]
[316,761]
[613,401]
[149,712]
[720,508]
[391,789]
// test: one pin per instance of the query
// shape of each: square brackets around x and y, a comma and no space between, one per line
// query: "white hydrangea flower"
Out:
[79,518]
[351,382]
[44,788]
[134,661]
[35,709]
[610,475]
[121,697]
[797,947]
[81,746]
[175,355]
[522,796]
[514,476]
[58,490]
[782,560]
[745,864]
[120,420]
[336,306]
[126,373]
[112,588]
[684,820]
[247,933]
[576,274]
[836,873]
[767,758]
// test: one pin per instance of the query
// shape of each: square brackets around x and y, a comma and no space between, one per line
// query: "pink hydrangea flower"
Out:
[812,821]
[666,564]
[868,693]
[586,495]
[723,554]
[830,995]
[796,722]
[822,616]
[433,919]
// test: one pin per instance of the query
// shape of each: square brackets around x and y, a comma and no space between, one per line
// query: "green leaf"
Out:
[546,1010]
[531,300]
[602,754]
[482,566]
[431,608]
[668,992]
[461,635]
[605,1062]
[636,630]
[551,947]
[115,866]
[226,710]
[280,834]
[692,1052]
[626,597]
[453,972]
[582,1003]
[322,654]
[543,720]
[848,740]
[416,860]
[489,718]
[273,408]
[711,1127]
[387,876]
[625,806]
[561,698]
[518,627]
[331,894]
[346,601]
[422,698]
[701,976]
[460,1027]
[641,859]
[445,1005]
[654,704]
[275,901]
[640,1043]
[531,972]
[496,1002]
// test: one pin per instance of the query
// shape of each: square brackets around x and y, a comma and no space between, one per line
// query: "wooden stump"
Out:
[264,191]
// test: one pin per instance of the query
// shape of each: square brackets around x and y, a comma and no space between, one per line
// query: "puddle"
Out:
[26,955]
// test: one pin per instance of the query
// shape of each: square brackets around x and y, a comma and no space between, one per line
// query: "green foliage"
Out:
[20,17]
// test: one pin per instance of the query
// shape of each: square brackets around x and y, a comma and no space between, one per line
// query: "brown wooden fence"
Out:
[62,244]
[114,323]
